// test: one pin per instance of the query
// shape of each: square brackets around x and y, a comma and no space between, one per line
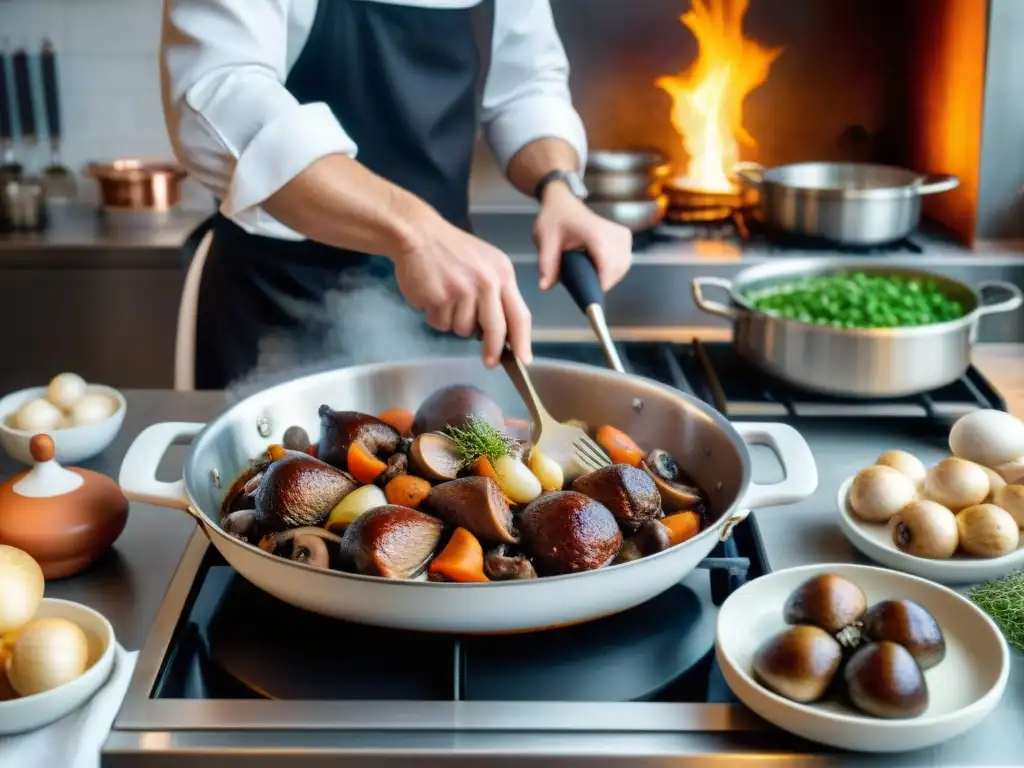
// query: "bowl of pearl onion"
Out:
[82,418]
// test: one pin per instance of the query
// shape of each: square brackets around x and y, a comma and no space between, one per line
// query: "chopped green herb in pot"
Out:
[1003,601]
[480,438]
[858,300]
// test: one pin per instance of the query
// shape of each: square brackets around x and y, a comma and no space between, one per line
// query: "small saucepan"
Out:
[853,204]
[138,185]
[637,215]
[626,174]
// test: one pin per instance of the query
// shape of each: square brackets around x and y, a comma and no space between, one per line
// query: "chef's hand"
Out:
[464,285]
[565,223]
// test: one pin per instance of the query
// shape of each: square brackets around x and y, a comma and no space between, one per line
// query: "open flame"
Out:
[707,99]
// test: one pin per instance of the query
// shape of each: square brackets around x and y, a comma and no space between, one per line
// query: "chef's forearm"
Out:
[340,202]
[531,163]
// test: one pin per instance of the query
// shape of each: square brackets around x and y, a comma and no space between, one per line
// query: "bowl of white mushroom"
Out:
[956,522]
[82,418]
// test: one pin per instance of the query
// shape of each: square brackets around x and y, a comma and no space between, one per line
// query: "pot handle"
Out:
[751,174]
[709,306]
[138,470]
[801,473]
[1015,299]
[932,184]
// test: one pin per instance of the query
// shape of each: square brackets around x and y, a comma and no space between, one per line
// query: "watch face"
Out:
[576,185]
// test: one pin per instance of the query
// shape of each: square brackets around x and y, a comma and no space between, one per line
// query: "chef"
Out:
[338,137]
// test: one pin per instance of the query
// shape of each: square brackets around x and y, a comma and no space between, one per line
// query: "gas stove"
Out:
[231,676]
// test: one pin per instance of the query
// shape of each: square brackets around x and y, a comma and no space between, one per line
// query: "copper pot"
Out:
[138,185]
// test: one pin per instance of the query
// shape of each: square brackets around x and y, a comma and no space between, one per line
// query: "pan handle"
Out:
[801,473]
[932,184]
[1015,299]
[712,307]
[751,174]
[138,470]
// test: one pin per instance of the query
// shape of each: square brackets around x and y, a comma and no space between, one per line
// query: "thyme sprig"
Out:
[1003,601]
[480,438]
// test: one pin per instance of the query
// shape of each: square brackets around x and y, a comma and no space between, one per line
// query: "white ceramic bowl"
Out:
[31,712]
[73,444]
[963,688]
[874,540]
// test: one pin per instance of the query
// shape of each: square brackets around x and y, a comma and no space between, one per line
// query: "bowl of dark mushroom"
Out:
[861,658]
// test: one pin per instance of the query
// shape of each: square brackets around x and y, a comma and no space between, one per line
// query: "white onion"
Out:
[547,471]
[879,492]
[987,437]
[361,500]
[21,588]
[92,408]
[65,389]
[1011,498]
[956,483]
[37,415]
[905,463]
[516,480]
[1012,471]
[49,653]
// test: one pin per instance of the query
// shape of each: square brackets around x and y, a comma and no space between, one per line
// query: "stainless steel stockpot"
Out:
[710,448]
[876,362]
[859,204]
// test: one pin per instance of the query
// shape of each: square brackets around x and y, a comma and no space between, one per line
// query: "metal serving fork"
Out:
[550,436]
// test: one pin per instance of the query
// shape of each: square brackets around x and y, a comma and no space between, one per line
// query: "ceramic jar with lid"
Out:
[65,518]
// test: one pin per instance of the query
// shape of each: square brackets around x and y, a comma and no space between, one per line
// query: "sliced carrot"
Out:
[681,526]
[620,446]
[482,466]
[462,559]
[407,491]
[399,418]
[277,452]
[363,465]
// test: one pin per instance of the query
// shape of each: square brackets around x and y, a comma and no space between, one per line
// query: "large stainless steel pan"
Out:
[857,204]
[876,362]
[706,444]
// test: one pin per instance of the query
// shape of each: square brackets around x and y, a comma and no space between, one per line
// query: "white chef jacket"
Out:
[241,134]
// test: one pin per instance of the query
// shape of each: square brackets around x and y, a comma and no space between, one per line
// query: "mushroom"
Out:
[628,552]
[630,494]
[295,439]
[499,565]
[340,429]
[987,530]
[242,524]
[884,680]
[798,663]
[398,464]
[827,601]
[568,532]
[390,541]
[435,457]
[1011,498]
[308,545]
[904,462]
[925,529]
[477,504]
[299,491]
[956,483]
[908,624]
[456,406]
[652,537]
[675,494]
[877,493]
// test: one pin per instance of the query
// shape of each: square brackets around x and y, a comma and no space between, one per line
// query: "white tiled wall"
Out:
[107,78]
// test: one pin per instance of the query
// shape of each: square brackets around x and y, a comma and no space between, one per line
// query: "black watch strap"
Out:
[571,179]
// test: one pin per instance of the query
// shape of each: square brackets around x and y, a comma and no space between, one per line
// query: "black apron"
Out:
[404,82]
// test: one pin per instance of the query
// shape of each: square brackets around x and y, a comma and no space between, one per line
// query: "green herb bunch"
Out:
[480,438]
[1003,600]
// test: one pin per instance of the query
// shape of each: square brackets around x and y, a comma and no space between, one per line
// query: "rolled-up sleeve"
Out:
[232,123]
[526,96]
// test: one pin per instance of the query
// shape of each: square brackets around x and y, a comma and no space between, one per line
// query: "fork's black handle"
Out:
[579,276]
[23,87]
[49,62]
[6,128]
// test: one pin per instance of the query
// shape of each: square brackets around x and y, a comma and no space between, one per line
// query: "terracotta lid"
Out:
[64,517]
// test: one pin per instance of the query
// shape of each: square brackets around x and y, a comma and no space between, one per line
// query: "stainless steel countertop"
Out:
[128,586]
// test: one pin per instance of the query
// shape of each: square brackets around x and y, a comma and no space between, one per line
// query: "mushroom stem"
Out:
[272,541]
[252,484]
[311,549]
[241,523]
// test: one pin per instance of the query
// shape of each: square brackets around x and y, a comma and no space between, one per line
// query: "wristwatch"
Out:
[571,179]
